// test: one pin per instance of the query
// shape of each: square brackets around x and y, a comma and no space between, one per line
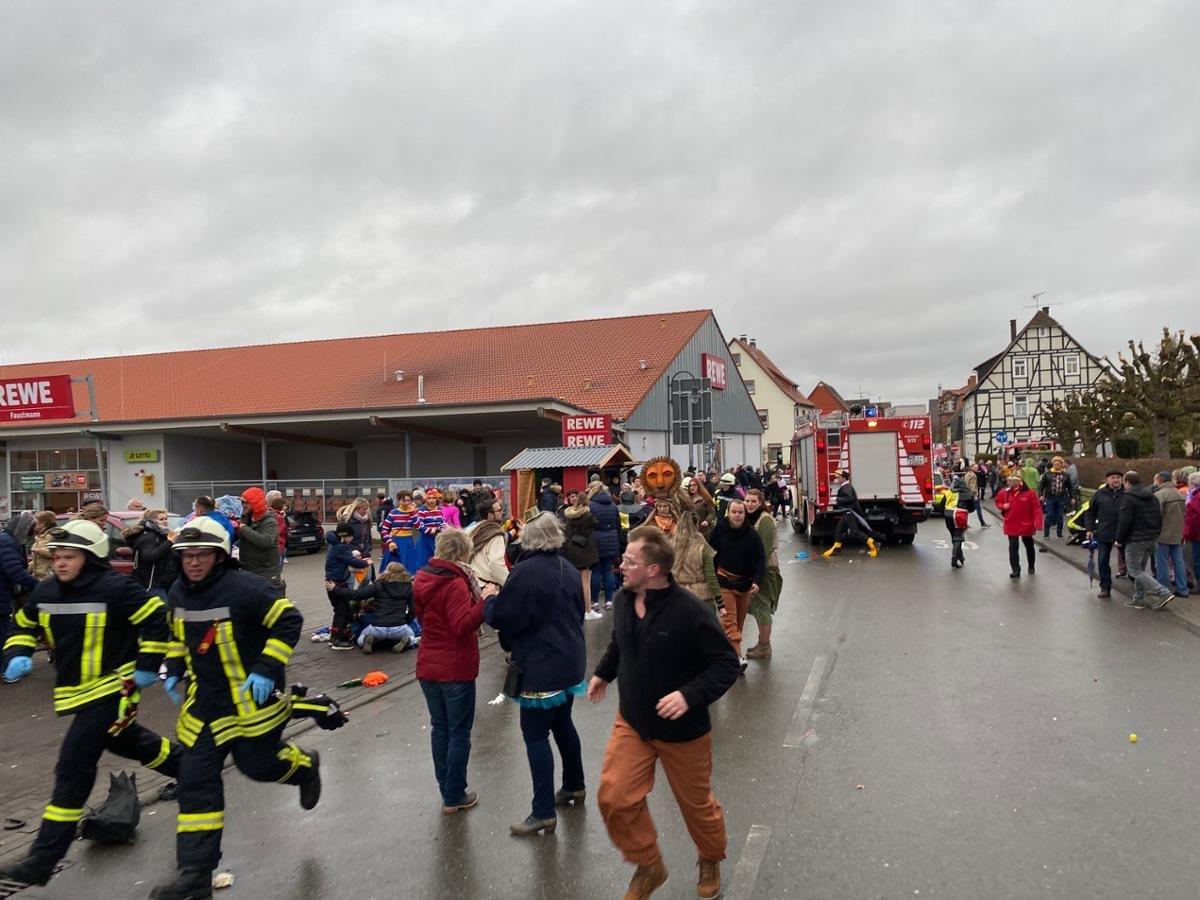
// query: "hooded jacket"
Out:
[258,536]
[450,613]
[539,614]
[340,559]
[1173,507]
[1140,518]
[1023,511]
[155,565]
[14,577]
[608,525]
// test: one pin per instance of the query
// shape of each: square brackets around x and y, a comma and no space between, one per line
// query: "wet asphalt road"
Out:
[920,732]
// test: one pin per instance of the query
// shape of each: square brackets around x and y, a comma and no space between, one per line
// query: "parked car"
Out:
[304,533]
[120,554]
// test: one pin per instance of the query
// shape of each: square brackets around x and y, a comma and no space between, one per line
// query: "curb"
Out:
[1118,586]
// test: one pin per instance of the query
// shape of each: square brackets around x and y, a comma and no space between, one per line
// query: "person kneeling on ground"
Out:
[340,561]
[388,600]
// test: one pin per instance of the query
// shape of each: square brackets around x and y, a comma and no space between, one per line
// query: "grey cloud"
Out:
[871,189]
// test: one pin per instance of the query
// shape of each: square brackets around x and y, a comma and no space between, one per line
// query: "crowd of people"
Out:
[205,614]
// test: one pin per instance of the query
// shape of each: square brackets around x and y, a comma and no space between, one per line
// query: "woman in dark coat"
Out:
[537,613]
[155,566]
[608,545]
[581,550]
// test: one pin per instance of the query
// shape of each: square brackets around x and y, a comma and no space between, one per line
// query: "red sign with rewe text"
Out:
[587,431]
[37,398]
[714,370]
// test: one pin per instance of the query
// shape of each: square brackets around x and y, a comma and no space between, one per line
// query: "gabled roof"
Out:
[823,390]
[592,364]
[569,457]
[1041,317]
[790,389]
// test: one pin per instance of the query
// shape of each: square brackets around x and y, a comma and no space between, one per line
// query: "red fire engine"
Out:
[891,469]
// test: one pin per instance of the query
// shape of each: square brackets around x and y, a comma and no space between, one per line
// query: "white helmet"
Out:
[203,532]
[80,534]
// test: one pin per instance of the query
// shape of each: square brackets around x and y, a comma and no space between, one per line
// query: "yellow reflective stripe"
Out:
[153,646]
[277,650]
[23,618]
[209,821]
[291,754]
[22,640]
[163,753]
[44,622]
[235,673]
[148,607]
[278,608]
[262,722]
[62,814]
[176,650]
[93,647]
[177,630]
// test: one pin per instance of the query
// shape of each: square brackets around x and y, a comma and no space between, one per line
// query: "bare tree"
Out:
[1156,388]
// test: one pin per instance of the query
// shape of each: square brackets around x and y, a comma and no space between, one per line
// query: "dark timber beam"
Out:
[286,436]
[403,426]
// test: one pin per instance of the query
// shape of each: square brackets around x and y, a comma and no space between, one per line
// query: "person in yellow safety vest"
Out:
[958,504]
[234,635]
[109,637]
[1077,522]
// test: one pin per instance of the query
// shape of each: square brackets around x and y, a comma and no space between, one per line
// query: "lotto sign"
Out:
[587,431]
[714,370]
[48,397]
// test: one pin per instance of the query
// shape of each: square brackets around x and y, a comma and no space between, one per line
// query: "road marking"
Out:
[796,733]
[745,874]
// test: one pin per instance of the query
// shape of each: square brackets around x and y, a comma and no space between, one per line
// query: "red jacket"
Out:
[1191,518]
[281,520]
[451,613]
[1022,511]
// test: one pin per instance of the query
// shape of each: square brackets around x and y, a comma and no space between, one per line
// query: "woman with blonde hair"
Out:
[39,553]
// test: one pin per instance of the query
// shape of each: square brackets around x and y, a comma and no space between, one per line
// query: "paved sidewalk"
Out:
[1186,610]
[30,732]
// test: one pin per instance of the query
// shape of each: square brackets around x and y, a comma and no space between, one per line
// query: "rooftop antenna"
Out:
[1034,298]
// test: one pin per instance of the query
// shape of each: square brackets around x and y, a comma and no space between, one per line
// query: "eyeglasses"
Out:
[629,562]
[195,555]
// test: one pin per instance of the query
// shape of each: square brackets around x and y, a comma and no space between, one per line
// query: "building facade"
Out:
[1042,362]
[777,399]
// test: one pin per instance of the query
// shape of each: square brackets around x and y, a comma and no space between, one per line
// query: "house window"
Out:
[1020,368]
[1041,331]
[775,454]
[737,358]
[1071,365]
[749,385]
[1021,406]
[764,417]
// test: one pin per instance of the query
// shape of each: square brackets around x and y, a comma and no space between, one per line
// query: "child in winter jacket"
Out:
[340,561]
[388,603]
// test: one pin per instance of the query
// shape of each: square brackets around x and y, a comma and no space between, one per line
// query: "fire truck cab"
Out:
[890,464]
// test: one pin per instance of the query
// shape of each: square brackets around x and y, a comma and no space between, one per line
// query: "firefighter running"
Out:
[109,638]
[853,523]
[235,635]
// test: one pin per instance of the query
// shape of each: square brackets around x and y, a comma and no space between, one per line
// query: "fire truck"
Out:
[890,464]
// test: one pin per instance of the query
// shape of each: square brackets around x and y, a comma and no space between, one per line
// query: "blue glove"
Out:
[144,679]
[18,668]
[259,687]
[169,687]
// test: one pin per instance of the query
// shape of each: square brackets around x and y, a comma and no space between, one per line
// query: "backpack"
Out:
[116,819]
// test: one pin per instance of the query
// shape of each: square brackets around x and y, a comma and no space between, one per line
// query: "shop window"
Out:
[24,460]
[57,460]
[87,458]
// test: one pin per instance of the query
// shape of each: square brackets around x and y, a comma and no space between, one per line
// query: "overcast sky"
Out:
[871,189]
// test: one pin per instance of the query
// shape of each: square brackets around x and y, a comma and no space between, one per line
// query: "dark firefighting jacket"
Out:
[102,626]
[224,628]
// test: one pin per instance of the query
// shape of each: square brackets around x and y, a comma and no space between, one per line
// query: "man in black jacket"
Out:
[1138,525]
[1100,520]
[671,659]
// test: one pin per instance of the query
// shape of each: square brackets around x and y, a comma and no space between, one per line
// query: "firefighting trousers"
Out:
[201,792]
[75,774]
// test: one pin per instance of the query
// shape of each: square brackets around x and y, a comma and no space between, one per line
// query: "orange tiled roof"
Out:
[593,364]
[827,399]
[785,384]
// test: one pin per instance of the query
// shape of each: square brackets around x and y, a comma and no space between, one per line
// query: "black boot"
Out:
[188,884]
[33,869]
[310,790]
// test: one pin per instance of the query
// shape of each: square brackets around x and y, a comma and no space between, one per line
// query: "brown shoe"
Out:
[646,880]
[1104,595]
[759,651]
[709,885]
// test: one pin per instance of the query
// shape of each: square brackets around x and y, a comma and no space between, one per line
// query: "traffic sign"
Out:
[1001,437]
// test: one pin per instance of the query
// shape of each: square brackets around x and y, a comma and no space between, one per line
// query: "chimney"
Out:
[753,342]
[1012,329]
[971,381]
[1046,310]
[420,388]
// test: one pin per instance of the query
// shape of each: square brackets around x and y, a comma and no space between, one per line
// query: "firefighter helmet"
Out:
[203,532]
[80,534]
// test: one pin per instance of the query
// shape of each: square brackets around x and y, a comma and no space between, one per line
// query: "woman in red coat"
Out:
[1022,511]
[448,603]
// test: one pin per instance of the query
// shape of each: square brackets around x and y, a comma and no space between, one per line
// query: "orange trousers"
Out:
[733,619]
[627,776]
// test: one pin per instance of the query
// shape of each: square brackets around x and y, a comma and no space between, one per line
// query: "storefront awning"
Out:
[570,457]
